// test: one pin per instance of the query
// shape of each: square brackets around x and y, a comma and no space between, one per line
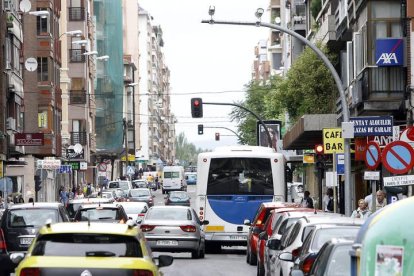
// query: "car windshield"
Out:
[177,195]
[99,214]
[168,214]
[80,245]
[325,234]
[340,262]
[31,217]
[140,193]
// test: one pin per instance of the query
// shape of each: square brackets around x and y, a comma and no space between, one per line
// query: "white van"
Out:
[173,179]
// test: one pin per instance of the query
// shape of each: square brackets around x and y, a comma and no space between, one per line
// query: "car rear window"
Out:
[171,174]
[325,234]
[168,214]
[31,217]
[114,185]
[100,214]
[178,195]
[135,209]
[89,245]
[139,193]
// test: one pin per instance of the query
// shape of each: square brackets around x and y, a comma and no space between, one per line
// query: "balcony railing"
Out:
[78,138]
[76,55]
[76,13]
[78,96]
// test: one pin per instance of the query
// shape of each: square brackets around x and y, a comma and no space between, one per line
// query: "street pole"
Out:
[269,138]
[345,111]
[126,146]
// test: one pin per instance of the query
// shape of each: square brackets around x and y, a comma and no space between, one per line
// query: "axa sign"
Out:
[389,52]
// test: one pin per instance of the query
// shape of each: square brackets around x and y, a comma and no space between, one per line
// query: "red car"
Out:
[257,226]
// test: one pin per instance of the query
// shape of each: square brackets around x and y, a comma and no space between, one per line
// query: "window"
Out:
[31,217]
[42,23]
[42,119]
[42,69]
[81,245]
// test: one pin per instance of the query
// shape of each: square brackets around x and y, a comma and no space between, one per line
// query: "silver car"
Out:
[174,229]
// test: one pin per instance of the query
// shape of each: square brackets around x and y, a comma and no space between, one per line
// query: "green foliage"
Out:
[316,6]
[186,151]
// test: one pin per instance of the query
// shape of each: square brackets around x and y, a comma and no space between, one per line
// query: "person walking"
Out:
[362,211]
[328,205]
[380,200]
[307,201]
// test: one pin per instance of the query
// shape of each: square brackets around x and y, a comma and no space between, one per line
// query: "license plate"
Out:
[26,241]
[238,238]
[169,243]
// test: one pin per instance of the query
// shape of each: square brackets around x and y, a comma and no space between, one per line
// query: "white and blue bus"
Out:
[232,182]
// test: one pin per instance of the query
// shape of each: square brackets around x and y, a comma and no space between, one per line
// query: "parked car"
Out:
[109,194]
[120,195]
[177,198]
[315,240]
[141,195]
[257,226]
[101,213]
[139,183]
[21,222]
[125,185]
[135,210]
[292,241]
[174,229]
[332,260]
[74,204]
[89,249]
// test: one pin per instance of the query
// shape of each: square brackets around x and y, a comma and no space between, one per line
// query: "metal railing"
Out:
[76,55]
[77,96]
[78,138]
[76,13]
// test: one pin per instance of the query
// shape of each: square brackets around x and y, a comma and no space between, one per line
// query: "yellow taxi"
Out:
[87,249]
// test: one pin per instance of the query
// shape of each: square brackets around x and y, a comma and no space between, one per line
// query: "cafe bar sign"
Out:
[29,139]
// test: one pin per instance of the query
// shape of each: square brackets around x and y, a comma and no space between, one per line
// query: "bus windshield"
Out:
[240,176]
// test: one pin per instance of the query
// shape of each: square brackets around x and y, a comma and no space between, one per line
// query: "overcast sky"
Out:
[213,62]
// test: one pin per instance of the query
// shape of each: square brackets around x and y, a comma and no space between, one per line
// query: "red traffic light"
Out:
[196,103]
[319,149]
[197,108]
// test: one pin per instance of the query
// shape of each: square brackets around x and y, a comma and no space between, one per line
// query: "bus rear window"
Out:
[240,176]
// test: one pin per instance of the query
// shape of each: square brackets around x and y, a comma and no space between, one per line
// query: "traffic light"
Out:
[38,183]
[200,129]
[196,107]
[319,157]
[217,136]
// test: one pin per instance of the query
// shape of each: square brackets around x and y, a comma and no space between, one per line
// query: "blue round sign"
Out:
[398,157]
[372,155]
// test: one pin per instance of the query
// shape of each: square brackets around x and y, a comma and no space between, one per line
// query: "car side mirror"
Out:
[205,222]
[247,222]
[273,244]
[165,260]
[263,236]
[16,258]
[286,256]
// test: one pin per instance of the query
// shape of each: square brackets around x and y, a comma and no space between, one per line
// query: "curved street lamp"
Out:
[345,111]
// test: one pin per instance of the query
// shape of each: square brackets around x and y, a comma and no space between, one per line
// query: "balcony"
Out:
[77,97]
[76,14]
[76,55]
[78,138]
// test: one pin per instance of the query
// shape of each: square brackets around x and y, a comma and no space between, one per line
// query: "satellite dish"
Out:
[25,6]
[78,148]
[31,64]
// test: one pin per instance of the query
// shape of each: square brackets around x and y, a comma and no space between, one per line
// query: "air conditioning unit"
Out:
[11,123]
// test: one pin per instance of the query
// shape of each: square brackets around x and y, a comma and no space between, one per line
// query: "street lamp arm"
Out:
[269,138]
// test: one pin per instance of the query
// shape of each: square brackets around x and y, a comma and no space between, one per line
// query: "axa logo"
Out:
[388,58]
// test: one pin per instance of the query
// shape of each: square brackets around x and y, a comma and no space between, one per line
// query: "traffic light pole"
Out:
[345,111]
[269,138]
[228,130]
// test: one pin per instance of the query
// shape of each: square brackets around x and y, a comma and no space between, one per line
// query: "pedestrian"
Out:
[307,201]
[328,205]
[63,196]
[380,200]
[362,211]
[88,189]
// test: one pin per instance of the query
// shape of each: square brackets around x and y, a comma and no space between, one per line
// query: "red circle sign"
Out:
[372,155]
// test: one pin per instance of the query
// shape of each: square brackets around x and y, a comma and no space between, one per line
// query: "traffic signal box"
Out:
[200,129]
[319,157]
[196,107]
[217,136]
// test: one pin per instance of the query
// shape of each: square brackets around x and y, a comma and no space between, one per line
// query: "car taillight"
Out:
[142,272]
[307,264]
[146,227]
[3,246]
[32,271]
[141,214]
[188,228]
[295,253]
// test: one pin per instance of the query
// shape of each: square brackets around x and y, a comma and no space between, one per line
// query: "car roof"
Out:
[290,210]
[95,205]
[138,203]
[89,227]
[331,220]
[278,204]
[140,189]
[35,205]
[169,207]
[90,200]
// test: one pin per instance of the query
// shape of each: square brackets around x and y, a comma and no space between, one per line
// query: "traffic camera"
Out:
[196,107]
[200,129]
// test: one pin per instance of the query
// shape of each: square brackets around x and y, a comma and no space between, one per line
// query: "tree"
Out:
[186,151]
